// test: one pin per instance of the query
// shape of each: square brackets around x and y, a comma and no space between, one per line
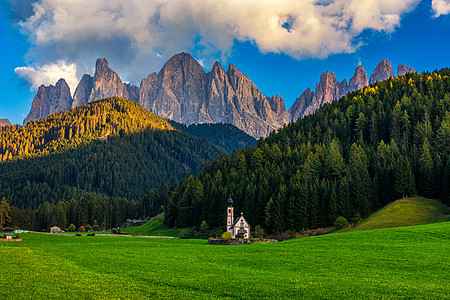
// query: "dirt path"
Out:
[108,234]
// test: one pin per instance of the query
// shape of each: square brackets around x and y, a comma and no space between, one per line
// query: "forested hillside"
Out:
[375,145]
[94,162]
[227,136]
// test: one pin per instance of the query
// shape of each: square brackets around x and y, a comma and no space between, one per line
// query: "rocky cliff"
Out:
[358,80]
[183,92]
[49,100]
[4,122]
[403,70]
[383,71]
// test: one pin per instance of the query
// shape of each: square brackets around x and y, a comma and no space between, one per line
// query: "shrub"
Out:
[226,236]
[72,228]
[88,227]
[81,229]
[96,228]
[340,222]
[204,226]
[356,218]
[218,232]
[259,232]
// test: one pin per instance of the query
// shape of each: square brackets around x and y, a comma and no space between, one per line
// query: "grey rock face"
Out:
[383,71]
[297,109]
[106,82]
[83,90]
[4,122]
[327,90]
[50,99]
[404,69]
[183,92]
[358,80]
[133,91]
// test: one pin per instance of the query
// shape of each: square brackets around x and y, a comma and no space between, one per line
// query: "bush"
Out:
[81,229]
[96,228]
[72,228]
[218,232]
[204,226]
[88,227]
[356,218]
[116,230]
[259,232]
[340,222]
[226,236]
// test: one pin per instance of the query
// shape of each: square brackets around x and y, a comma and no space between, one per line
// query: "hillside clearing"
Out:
[405,212]
[156,227]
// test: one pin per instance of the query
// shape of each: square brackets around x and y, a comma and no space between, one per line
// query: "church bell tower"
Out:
[230,215]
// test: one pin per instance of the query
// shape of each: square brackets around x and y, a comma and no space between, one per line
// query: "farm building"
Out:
[55,229]
[238,226]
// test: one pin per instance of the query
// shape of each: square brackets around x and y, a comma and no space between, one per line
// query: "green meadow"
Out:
[403,262]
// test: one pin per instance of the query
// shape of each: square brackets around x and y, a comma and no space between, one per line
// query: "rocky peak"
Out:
[49,100]
[301,103]
[106,82]
[83,90]
[383,71]
[277,104]
[4,122]
[358,80]
[403,70]
[327,89]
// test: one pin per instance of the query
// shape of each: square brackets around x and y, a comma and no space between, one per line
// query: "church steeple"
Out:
[230,213]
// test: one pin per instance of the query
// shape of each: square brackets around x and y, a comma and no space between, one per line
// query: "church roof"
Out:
[237,220]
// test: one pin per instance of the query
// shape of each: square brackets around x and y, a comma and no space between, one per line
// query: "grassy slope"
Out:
[406,262]
[405,212]
[156,227]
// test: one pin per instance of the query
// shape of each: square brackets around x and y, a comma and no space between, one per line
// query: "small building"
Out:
[55,229]
[238,226]
[9,236]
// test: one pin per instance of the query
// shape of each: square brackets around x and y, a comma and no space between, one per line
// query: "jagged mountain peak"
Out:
[404,69]
[358,80]
[383,71]
[50,99]
[4,122]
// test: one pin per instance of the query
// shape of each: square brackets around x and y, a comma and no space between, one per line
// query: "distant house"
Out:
[9,236]
[238,226]
[55,229]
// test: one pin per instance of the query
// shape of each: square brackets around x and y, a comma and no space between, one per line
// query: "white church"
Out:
[238,226]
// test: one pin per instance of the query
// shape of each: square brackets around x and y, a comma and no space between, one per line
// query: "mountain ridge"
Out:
[182,91]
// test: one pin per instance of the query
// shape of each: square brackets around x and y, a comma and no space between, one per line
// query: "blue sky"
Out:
[283,46]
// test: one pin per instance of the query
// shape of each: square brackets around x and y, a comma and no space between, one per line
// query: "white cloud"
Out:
[440,7]
[50,74]
[142,34]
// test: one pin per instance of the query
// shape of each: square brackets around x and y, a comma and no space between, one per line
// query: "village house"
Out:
[238,226]
[55,229]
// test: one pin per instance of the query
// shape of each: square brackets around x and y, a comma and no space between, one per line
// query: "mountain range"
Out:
[182,91]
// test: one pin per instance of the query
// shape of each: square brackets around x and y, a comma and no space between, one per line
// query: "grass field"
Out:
[156,227]
[405,212]
[404,262]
